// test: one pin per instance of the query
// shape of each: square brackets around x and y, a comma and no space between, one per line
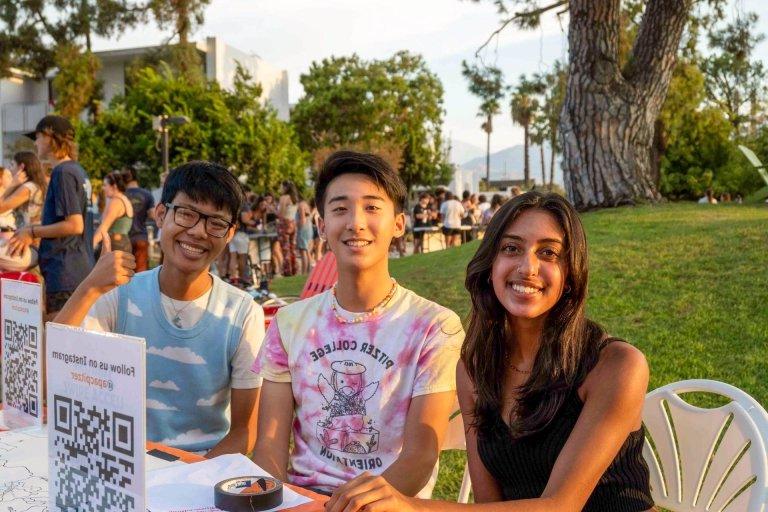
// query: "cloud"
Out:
[133,309]
[157,404]
[180,354]
[190,437]
[217,397]
[169,384]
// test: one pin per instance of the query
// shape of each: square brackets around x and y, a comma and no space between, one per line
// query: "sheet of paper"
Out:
[24,470]
[190,488]
[22,352]
[97,418]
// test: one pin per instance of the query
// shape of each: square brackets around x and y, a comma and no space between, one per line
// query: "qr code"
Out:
[21,355]
[94,457]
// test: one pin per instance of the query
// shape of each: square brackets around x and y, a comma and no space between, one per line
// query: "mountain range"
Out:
[506,163]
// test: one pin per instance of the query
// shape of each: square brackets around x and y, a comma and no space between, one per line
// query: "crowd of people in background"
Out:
[457,219]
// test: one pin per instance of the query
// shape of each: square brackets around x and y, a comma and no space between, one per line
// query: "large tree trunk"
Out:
[607,121]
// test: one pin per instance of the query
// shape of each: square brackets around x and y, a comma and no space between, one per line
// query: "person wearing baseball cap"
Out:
[66,231]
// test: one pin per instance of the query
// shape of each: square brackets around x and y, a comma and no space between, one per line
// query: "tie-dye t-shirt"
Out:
[353,382]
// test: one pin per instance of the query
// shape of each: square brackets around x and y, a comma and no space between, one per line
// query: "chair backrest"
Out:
[455,439]
[752,157]
[706,459]
[322,277]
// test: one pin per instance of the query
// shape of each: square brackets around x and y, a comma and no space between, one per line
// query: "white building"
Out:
[24,100]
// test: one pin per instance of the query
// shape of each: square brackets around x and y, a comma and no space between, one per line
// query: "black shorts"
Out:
[451,231]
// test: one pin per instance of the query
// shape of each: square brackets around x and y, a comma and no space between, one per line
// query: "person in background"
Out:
[117,219]
[143,208]
[422,218]
[496,201]
[483,205]
[515,191]
[66,229]
[286,226]
[317,242]
[7,217]
[24,199]
[304,235]
[271,223]
[25,194]
[451,212]
[238,248]
[470,213]
[708,198]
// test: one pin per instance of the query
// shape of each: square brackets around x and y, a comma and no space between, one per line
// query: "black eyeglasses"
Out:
[188,218]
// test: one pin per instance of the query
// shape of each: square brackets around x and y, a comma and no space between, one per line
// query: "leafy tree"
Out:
[700,152]
[249,140]
[183,16]
[487,83]
[394,106]
[735,81]
[611,166]
[32,33]
[75,84]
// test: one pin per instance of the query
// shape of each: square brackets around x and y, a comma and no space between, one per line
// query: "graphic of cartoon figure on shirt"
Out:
[346,429]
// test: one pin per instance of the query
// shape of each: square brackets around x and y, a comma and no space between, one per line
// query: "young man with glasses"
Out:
[202,333]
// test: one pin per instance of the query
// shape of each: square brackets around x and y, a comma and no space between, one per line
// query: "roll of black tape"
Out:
[248,493]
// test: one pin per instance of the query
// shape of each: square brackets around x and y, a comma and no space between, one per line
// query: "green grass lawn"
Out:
[685,283]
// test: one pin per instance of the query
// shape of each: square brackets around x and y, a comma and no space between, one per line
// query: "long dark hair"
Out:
[116,179]
[33,168]
[290,189]
[569,342]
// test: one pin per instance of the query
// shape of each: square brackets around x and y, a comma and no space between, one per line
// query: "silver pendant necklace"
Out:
[177,318]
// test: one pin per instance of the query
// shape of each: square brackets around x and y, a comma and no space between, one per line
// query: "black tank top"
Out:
[522,467]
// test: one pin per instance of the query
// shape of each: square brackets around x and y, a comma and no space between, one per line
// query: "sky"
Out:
[291,34]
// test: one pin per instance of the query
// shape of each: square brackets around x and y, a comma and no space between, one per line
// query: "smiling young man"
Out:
[364,373]
[202,334]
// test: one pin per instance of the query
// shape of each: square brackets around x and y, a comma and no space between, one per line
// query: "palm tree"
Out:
[488,84]
[524,107]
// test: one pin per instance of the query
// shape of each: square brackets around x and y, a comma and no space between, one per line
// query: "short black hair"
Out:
[205,182]
[482,198]
[129,173]
[372,166]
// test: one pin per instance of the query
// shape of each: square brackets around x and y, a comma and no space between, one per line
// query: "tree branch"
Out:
[521,15]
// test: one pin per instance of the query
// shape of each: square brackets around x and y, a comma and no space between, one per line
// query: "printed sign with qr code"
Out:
[22,351]
[96,420]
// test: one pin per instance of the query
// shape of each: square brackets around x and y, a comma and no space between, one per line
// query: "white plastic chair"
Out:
[455,440]
[756,163]
[689,469]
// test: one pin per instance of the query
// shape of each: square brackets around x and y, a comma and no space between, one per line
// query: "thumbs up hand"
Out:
[113,269]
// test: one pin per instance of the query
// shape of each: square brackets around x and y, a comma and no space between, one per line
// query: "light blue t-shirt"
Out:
[191,369]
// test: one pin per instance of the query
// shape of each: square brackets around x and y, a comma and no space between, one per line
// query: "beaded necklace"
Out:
[364,316]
